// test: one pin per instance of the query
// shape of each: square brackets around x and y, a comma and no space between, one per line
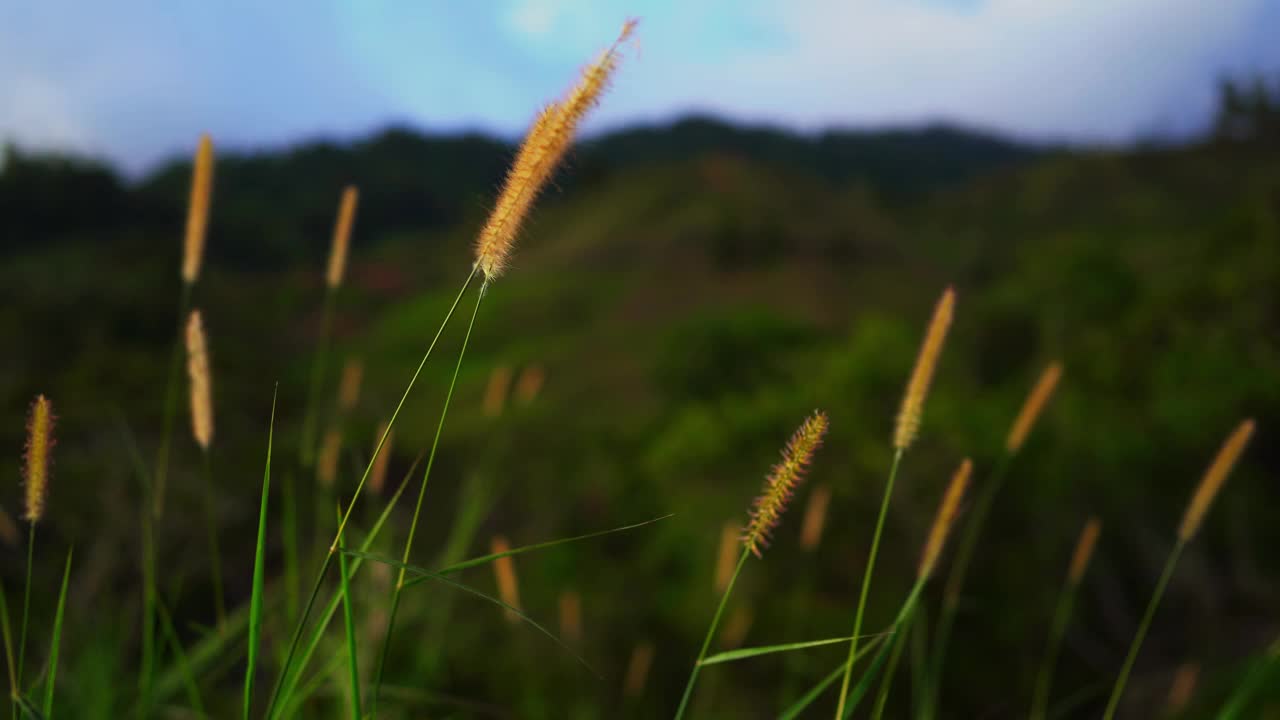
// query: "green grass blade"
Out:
[259,569]
[26,605]
[348,618]
[1254,680]
[424,574]
[29,711]
[55,643]
[745,653]
[438,577]
[184,665]
[8,643]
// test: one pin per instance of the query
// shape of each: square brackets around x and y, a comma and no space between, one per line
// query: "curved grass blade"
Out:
[184,665]
[259,564]
[55,642]
[745,653]
[856,694]
[348,619]
[468,589]
[29,710]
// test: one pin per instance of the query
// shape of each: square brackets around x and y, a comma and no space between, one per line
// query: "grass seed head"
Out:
[504,571]
[909,415]
[1033,406]
[201,384]
[40,443]
[1084,550]
[342,236]
[767,510]
[198,210]
[1213,479]
[544,146]
[945,519]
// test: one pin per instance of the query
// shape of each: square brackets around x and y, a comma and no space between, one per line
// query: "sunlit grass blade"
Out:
[55,643]
[424,574]
[348,618]
[745,653]
[259,570]
[183,663]
[438,577]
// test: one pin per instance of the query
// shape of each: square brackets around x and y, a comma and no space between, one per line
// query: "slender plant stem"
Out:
[328,559]
[417,510]
[899,640]
[956,579]
[170,405]
[1118,689]
[55,643]
[211,526]
[711,631]
[349,621]
[866,580]
[1061,618]
[8,648]
[310,422]
[26,604]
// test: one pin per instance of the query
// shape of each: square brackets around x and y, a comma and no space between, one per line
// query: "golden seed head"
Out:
[638,669]
[767,510]
[946,517]
[342,236]
[504,571]
[730,532]
[349,386]
[330,454]
[913,400]
[1213,479]
[40,443]
[815,517]
[378,474]
[201,384]
[530,384]
[544,146]
[1084,550]
[198,210]
[1033,406]
[495,392]
[571,617]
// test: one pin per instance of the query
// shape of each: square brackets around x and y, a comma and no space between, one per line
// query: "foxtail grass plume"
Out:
[39,456]
[330,454]
[727,556]
[945,519]
[378,473]
[926,362]
[544,146]
[504,571]
[200,381]
[349,385]
[1213,479]
[1084,550]
[495,392]
[767,510]
[1183,687]
[198,210]
[638,670]
[1033,406]
[529,384]
[571,617]
[342,237]
[815,517]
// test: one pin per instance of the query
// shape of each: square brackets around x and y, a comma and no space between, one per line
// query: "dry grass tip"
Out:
[544,146]
[39,452]
[201,383]
[767,510]
[945,519]
[1033,406]
[342,236]
[1213,479]
[198,210]
[913,400]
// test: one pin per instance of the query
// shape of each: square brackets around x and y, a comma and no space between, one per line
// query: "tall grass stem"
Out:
[711,631]
[1118,689]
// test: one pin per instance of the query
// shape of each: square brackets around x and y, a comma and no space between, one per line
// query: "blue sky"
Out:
[136,80]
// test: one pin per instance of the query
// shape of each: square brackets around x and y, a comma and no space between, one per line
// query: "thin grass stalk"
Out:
[26,602]
[310,422]
[882,696]
[259,572]
[866,580]
[417,509]
[170,404]
[328,559]
[1062,616]
[146,664]
[1118,689]
[211,526]
[348,618]
[184,664]
[8,650]
[55,643]
[711,631]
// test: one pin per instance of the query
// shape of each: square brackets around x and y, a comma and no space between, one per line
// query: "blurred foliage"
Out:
[690,292]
